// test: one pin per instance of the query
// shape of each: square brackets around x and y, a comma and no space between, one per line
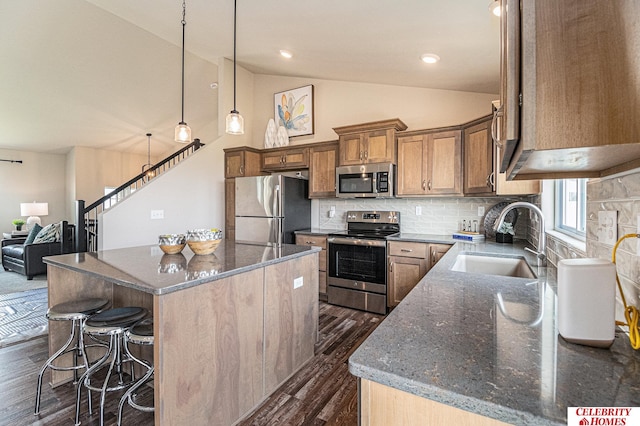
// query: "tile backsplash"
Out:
[440,216]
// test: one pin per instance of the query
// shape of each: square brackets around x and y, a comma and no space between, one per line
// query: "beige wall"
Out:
[96,168]
[340,103]
[41,177]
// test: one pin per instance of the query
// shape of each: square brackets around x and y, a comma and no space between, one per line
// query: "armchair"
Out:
[26,259]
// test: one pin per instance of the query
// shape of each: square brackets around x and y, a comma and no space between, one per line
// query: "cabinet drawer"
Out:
[312,240]
[407,249]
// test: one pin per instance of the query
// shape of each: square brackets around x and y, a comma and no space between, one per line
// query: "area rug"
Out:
[22,316]
[13,282]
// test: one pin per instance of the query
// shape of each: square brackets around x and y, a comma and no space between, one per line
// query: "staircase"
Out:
[87,217]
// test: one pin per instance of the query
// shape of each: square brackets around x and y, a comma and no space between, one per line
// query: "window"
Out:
[571,207]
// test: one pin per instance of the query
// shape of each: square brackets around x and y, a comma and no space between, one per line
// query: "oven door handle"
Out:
[356,242]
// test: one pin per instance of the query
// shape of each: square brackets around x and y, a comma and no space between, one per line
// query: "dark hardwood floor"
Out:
[321,393]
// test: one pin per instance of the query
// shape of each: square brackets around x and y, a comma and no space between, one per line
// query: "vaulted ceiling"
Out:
[63,64]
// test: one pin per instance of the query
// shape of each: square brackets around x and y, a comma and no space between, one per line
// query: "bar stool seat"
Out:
[75,311]
[112,323]
[140,334]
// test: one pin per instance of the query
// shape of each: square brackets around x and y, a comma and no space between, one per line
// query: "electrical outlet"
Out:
[157,214]
[418,210]
[298,282]
[608,227]
[480,210]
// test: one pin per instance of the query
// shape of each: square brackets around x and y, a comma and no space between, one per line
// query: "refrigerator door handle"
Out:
[279,231]
[277,204]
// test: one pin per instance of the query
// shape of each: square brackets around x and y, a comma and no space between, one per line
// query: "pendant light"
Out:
[150,173]
[235,122]
[183,132]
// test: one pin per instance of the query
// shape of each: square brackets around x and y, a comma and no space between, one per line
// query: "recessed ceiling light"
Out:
[286,54]
[430,58]
[494,7]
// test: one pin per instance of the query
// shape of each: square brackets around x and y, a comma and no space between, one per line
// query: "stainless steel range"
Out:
[357,276]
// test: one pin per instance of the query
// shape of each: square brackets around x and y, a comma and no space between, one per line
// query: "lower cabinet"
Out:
[315,240]
[408,262]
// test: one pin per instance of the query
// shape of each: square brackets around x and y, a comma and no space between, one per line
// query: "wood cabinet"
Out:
[578,100]
[323,159]
[481,164]
[430,163]
[373,142]
[304,239]
[230,209]
[241,161]
[289,158]
[381,405]
[408,262]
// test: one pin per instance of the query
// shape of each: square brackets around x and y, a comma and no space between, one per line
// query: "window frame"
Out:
[581,213]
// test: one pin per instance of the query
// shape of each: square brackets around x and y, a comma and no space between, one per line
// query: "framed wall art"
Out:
[293,109]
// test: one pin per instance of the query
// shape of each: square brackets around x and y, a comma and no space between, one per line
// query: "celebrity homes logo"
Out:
[603,416]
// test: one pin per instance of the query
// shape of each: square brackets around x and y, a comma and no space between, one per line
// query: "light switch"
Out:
[298,282]
[418,210]
[157,214]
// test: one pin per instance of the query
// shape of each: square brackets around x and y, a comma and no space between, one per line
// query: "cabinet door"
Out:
[478,159]
[317,241]
[230,209]
[411,179]
[351,149]
[514,187]
[234,164]
[404,274]
[379,147]
[322,171]
[445,163]
[436,251]
[272,160]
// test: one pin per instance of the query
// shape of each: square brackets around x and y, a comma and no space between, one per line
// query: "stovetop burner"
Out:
[371,224]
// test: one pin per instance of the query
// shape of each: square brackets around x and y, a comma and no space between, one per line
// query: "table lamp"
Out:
[33,210]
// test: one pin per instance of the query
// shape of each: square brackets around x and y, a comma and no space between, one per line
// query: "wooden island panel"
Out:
[209,359]
[291,318]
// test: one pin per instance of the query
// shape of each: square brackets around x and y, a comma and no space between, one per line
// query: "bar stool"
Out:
[112,323]
[140,334]
[76,311]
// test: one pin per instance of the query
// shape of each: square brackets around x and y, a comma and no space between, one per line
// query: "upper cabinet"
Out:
[241,161]
[323,158]
[575,111]
[369,142]
[288,158]
[430,163]
[481,164]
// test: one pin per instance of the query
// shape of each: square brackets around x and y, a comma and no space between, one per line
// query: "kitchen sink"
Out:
[505,265]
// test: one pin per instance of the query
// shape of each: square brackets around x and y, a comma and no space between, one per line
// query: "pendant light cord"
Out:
[235,7]
[184,23]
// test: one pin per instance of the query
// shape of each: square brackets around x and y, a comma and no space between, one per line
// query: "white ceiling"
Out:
[374,41]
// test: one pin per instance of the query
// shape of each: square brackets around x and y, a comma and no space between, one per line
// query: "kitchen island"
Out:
[468,348]
[229,327]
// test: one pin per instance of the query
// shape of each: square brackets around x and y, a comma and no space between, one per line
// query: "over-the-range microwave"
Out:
[375,180]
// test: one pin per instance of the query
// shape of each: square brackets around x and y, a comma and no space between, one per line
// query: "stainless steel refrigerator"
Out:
[271,208]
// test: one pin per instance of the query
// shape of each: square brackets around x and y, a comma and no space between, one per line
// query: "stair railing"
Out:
[87,217]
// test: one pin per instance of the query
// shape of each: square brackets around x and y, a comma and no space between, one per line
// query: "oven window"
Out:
[359,263]
[356,183]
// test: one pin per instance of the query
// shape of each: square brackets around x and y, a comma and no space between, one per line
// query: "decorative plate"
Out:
[492,215]
[283,136]
[270,134]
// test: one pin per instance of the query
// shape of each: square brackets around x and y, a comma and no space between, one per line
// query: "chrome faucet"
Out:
[541,237]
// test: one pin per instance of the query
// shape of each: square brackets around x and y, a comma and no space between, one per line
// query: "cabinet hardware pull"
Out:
[494,126]
[406,250]
[424,185]
[390,266]
[360,155]
[492,180]
[429,185]
[366,155]
[241,170]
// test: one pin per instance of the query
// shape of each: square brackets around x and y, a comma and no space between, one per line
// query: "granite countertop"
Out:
[489,345]
[148,269]
[424,238]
